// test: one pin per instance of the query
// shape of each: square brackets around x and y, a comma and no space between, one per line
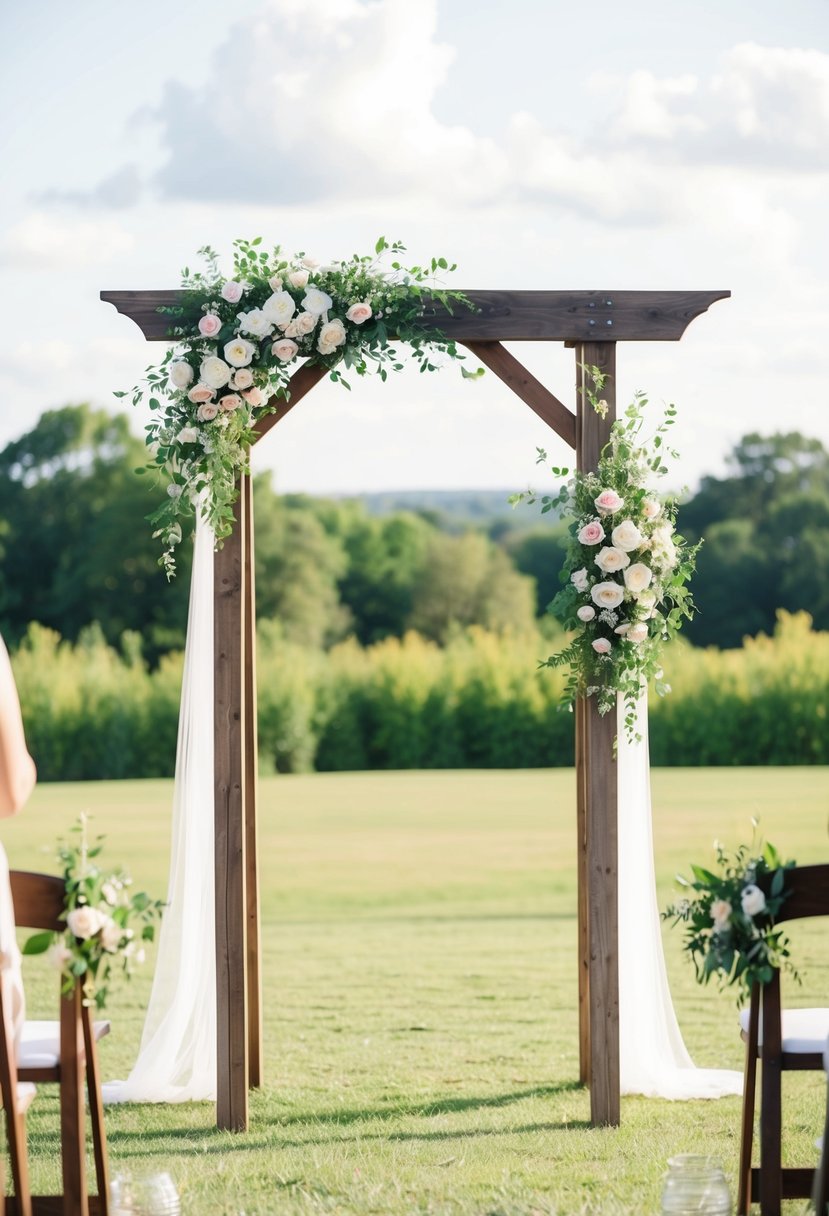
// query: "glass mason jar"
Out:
[143,1194]
[695,1184]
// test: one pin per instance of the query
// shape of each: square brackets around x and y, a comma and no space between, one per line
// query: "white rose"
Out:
[242,378]
[662,546]
[316,301]
[586,613]
[256,322]
[187,434]
[579,579]
[610,559]
[607,595]
[298,278]
[181,374]
[232,292]
[275,283]
[646,600]
[752,900]
[279,308]
[290,330]
[84,922]
[239,352]
[650,509]
[331,335]
[108,890]
[284,349]
[627,536]
[306,322]
[311,263]
[622,630]
[59,955]
[637,632]
[110,935]
[174,491]
[214,372]
[638,577]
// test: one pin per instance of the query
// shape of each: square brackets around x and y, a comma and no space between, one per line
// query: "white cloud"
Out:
[45,241]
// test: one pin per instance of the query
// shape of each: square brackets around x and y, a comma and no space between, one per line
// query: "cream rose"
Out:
[215,372]
[622,630]
[650,509]
[200,393]
[579,579]
[608,502]
[627,536]
[646,600]
[230,402]
[306,322]
[290,330]
[637,632]
[610,559]
[752,900]
[298,278]
[311,263]
[638,577]
[359,312]
[586,613]
[83,922]
[331,335]
[232,292]
[316,301]
[607,595]
[601,645]
[207,412]
[275,283]
[284,350]
[59,955]
[721,913]
[256,322]
[239,352]
[110,935]
[279,308]
[180,373]
[591,533]
[254,397]
[209,325]
[242,378]
[187,434]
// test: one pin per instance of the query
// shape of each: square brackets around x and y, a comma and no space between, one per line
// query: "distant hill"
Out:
[452,509]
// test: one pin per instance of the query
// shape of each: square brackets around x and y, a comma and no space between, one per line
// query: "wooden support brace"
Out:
[230,770]
[524,384]
[255,1058]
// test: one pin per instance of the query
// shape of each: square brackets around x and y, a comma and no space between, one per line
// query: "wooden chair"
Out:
[820,1194]
[784,1040]
[16,1097]
[61,1052]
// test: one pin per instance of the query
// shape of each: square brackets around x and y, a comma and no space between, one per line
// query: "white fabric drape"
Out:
[653,1057]
[9,952]
[177,1058]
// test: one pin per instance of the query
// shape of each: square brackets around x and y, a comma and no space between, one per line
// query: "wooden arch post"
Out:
[593,323]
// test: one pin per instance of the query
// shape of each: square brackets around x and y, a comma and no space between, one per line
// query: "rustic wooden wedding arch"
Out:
[592,322]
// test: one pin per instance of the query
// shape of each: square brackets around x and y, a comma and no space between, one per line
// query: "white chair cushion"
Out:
[803,1030]
[25,1095]
[39,1045]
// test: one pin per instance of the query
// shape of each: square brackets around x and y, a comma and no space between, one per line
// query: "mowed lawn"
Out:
[420,994]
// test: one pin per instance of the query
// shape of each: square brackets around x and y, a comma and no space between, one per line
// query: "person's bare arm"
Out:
[17,769]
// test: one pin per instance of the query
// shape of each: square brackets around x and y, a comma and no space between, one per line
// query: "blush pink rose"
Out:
[230,402]
[359,313]
[586,613]
[601,645]
[232,292]
[242,378]
[650,508]
[209,325]
[591,533]
[200,393]
[207,412]
[638,632]
[284,349]
[254,396]
[608,502]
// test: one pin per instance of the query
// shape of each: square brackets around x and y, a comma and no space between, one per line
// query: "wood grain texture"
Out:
[72,1115]
[583,943]
[229,762]
[251,799]
[524,384]
[598,777]
[517,316]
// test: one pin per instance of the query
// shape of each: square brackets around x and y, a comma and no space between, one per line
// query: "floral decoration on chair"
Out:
[239,341]
[729,920]
[100,911]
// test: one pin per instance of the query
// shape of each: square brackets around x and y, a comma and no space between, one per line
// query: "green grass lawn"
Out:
[420,995]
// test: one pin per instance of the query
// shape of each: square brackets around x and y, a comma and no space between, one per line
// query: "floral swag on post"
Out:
[626,570]
[239,341]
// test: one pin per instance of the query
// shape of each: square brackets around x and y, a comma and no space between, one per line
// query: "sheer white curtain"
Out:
[177,1059]
[653,1057]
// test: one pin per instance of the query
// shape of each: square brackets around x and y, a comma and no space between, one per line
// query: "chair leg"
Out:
[72,1115]
[820,1194]
[16,1132]
[747,1133]
[771,1131]
[96,1114]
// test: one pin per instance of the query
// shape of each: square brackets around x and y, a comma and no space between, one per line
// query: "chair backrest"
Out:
[38,900]
[808,888]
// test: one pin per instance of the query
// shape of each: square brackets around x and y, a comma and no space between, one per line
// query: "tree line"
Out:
[75,548]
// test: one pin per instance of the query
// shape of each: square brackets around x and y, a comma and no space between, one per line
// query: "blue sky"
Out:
[538,144]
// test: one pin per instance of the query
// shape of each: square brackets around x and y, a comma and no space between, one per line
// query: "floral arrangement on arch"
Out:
[100,911]
[729,920]
[238,344]
[626,570]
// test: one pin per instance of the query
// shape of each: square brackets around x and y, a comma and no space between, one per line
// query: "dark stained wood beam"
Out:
[513,373]
[508,316]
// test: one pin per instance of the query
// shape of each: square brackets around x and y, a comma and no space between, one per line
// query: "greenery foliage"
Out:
[92,711]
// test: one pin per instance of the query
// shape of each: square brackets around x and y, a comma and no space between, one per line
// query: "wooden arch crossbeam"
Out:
[593,322]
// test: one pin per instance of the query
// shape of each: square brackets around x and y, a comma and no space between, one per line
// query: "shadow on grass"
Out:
[265,1132]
